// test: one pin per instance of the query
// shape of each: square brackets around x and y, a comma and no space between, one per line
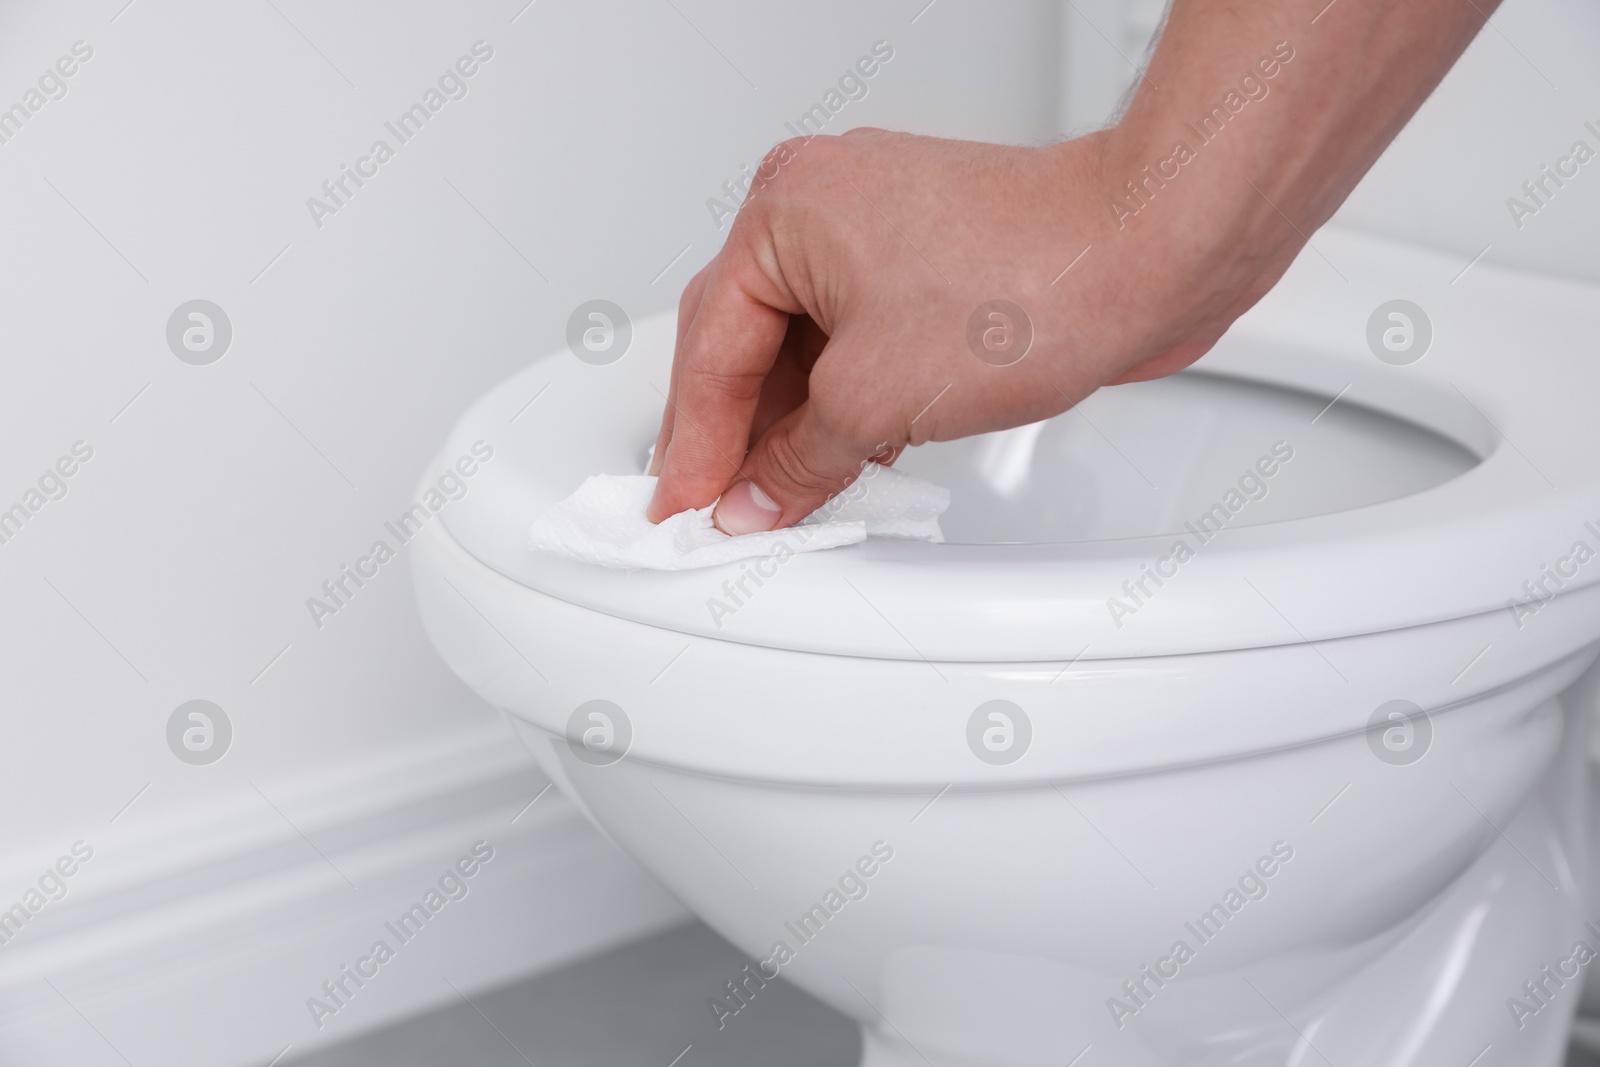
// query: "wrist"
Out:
[1201,198]
[1182,243]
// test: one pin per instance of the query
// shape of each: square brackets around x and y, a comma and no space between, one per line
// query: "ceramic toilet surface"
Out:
[1310,795]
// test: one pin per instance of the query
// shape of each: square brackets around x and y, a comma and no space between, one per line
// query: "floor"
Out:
[640,1005]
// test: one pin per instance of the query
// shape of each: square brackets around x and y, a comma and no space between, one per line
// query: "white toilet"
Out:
[1310,791]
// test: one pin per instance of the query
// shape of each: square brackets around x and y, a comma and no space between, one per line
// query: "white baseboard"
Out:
[200,944]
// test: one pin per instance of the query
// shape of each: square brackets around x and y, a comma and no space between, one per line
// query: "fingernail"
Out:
[744,508]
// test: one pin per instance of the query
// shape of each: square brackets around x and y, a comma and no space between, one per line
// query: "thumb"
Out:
[797,466]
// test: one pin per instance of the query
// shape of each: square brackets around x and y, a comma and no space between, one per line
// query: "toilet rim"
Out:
[1499,380]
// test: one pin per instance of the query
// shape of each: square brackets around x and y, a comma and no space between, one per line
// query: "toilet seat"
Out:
[1499,380]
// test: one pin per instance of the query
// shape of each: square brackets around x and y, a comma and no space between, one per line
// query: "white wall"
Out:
[1517,101]
[220,497]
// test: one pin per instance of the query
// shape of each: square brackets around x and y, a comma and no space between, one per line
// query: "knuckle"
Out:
[689,299]
[783,153]
[800,155]
[739,386]
[780,158]
[791,474]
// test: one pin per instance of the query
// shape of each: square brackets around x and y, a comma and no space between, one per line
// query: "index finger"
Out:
[720,364]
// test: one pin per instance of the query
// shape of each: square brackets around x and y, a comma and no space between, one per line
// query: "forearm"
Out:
[1253,122]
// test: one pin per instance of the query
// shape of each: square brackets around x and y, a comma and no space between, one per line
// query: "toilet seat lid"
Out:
[1510,376]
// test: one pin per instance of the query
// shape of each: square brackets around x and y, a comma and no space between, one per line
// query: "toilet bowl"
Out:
[1310,789]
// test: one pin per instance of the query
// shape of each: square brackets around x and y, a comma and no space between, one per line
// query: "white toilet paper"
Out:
[604,522]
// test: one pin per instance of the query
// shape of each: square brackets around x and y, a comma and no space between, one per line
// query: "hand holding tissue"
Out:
[604,522]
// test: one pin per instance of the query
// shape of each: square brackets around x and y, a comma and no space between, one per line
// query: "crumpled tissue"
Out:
[604,522]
